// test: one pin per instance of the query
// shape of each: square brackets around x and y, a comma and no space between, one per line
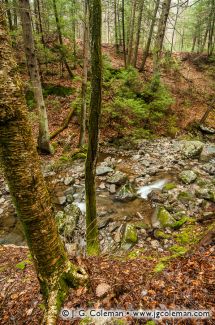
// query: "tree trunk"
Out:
[149,40]
[84,76]
[9,16]
[174,27]
[160,35]
[62,51]
[31,58]
[131,35]
[116,27]
[137,42]
[123,33]
[21,166]
[95,111]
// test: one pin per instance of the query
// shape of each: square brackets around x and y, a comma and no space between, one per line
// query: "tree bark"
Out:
[84,77]
[9,16]
[137,42]
[62,52]
[33,68]
[116,27]
[160,35]
[21,167]
[131,35]
[123,33]
[149,40]
[95,112]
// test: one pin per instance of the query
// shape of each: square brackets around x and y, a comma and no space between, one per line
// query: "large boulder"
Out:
[67,220]
[192,149]
[117,178]
[207,153]
[126,193]
[187,176]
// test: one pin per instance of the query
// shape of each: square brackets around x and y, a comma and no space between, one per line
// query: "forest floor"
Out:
[187,282]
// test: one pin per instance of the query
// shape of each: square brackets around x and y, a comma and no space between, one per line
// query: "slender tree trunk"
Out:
[123,33]
[149,40]
[21,166]
[116,27]
[95,111]
[84,76]
[137,42]
[15,20]
[174,27]
[131,35]
[30,51]
[62,51]
[211,29]
[160,35]
[119,23]
[9,16]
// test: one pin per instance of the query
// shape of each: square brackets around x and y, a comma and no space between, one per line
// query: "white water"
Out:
[144,191]
[81,206]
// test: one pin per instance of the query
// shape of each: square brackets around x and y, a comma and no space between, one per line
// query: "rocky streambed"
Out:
[158,197]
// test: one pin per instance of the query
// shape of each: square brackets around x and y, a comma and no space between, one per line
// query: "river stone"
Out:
[209,168]
[157,196]
[206,193]
[207,129]
[117,178]
[130,234]
[102,170]
[187,176]
[69,180]
[112,189]
[192,149]
[207,153]
[162,218]
[126,193]
[67,220]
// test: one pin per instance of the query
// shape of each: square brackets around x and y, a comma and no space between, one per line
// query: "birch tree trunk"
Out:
[33,68]
[95,112]
[84,76]
[21,167]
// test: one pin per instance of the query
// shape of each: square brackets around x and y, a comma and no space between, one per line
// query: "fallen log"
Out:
[64,126]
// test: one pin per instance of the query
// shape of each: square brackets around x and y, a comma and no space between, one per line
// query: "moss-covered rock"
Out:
[192,149]
[163,218]
[185,197]
[117,178]
[187,176]
[67,220]
[169,186]
[159,234]
[130,234]
[178,224]
[126,193]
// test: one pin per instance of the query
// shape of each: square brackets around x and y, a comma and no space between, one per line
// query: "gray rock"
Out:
[187,176]
[207,129]
[69,180]
[103,170]
[157,196]
[104,222]
[206,193]
[70,190]
[69,198]
[192,149]
[209,168]
[126,193]
[117,178]
[112,189]
[207,153]
[61,200]
[1,211]
[67,220]
[155,244]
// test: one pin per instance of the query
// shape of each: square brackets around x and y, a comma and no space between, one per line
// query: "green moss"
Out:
[161,234]
[130,234]
[165,218]
[159,267]
[180,250]
[150,322]
[185,197]
[169,186]
[141,225]
[188,235]
[178,224]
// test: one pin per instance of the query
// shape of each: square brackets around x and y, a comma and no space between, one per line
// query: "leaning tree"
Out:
[20,162]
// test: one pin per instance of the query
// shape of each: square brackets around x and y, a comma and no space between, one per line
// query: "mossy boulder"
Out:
[130,234]
[162,218]
[187,176]
[206,193]
[126,193]
[192,149]
[207,153]
[118,178]
[67,220]
[178,224]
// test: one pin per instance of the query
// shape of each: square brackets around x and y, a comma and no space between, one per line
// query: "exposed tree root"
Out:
[70,278]
[65,124]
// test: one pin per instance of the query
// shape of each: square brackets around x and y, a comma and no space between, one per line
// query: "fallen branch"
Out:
[65,124]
